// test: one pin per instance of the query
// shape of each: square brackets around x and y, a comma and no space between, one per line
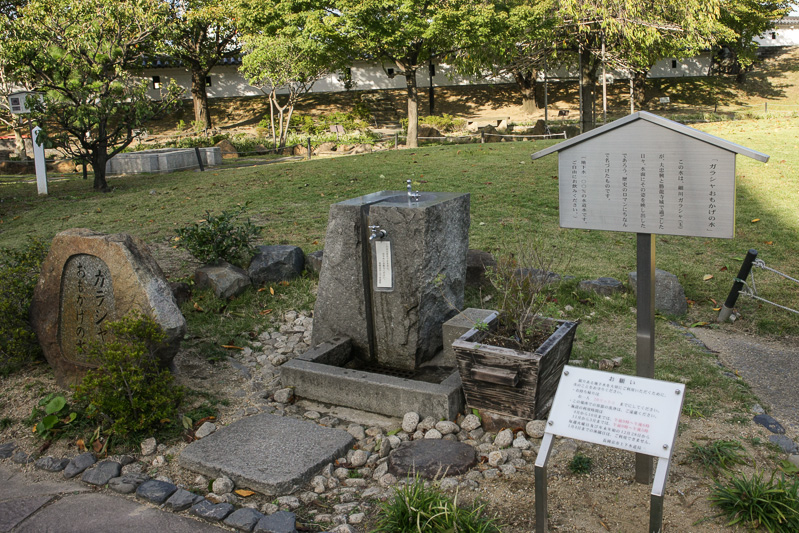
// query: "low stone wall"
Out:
[162,160]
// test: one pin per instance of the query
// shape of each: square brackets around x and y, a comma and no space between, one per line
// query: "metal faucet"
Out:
[376,233]
[413,196]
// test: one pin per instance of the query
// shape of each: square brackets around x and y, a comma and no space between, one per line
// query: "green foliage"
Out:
[580,464]
[444,123]
[129,387]
[321,124]
[717,456]
[220,237]
[51,423]
[756,502]
[19,272]
[416,508]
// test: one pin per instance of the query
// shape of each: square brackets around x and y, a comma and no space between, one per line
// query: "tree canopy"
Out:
[84,66]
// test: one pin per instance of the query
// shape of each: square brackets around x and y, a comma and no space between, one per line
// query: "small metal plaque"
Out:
[87,305]
[625,412]
[384,276]
[665,100]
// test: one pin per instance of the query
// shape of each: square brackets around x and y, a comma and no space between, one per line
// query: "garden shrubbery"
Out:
[19,272]
[220,237]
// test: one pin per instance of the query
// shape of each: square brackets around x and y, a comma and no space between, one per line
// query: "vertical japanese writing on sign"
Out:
[86,306]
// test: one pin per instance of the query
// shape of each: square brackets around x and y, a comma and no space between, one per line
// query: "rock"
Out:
[204,430]
[226,280]
[227,149]
[504,438]
[426,130]
[181,291]
[445,427]
[276,263]
[21,458]
[357,432]
[6,449]
[291,502]
[787,445]
[51,464]
[409,422]
[490,134]
[602,286]
[770,423]
[448,483]
[127,483]
[243,519]
[300,149]
[362,149]
[470,422]
[222,485]
[126,277]
[155,491]
[669,294]
[213,512]
[61,167]
[477,263]
[313,261]
[182,500]
[284,395]
[343,528]
[325,147]
[794,459]
[433,434]
[535,429]
[359,458]
[279,522]
[102,473]
[427,424]
[521,443]
[491,473]
[496,458]
[148,446]
[431,458]
[78,464]
[507,469]
[269,508]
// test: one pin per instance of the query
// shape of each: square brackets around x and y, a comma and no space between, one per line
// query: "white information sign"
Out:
[644,178]
[625,412]
[384,275]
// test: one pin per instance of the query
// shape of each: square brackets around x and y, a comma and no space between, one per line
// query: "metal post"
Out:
[541,518]
[396,141]
[199,158]
[309,149]
[546,96]
[729,303]
[656,498]
[482,137]
[645,335]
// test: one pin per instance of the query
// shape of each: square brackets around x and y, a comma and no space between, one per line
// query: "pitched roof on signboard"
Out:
[660,121]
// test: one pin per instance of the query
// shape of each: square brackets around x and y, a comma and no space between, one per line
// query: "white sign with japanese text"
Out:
[625,412]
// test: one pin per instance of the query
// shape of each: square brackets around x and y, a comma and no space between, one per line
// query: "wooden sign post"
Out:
[648,175]
[623,412]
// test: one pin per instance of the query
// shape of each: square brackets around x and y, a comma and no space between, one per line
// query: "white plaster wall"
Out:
[782,36]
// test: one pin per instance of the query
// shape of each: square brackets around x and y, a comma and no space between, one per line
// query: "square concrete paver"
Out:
[270,454]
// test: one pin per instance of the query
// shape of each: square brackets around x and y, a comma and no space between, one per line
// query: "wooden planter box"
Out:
[513,382]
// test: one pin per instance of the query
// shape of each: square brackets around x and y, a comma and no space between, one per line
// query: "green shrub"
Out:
[755,502]
[580,464]
[321,124]
[129,387]
[220,237]
[419,509]
[444,123]
[19,272]
[717,456]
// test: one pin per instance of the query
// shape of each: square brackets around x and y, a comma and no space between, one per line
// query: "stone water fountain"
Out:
[393,272]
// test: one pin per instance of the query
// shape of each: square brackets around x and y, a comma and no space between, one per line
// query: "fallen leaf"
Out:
[232,347]
[197,308]
[755,220]
[81,445]
[315,242]
[271,291]
[97,446]
[769,243]
[244,493]
[722,269]
[707,277]
[698,324]
[714,302]
[262,289]
[717,308]
[266,311]
[284,283]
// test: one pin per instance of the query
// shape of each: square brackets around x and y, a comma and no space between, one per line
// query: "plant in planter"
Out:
[512,364]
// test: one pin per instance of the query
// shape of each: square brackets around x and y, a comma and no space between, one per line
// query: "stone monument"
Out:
[88,280]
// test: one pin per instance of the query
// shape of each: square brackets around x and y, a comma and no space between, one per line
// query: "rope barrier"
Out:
[752,291]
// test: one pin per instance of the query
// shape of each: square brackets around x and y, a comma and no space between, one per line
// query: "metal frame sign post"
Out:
[615,410]
[18,106]
[648,175]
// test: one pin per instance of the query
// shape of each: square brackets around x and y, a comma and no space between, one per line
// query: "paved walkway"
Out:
[770,367]
[36,502]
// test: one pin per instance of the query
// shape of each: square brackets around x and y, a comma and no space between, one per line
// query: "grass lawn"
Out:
[512,198]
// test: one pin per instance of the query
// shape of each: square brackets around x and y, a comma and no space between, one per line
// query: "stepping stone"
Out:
[156,491]
[280,522]
[78,464]
[212,511]
[51,464]
[102,473]
[6,449]
[243,519]
[787,445]
[278,262]
[267,453]
[430,458]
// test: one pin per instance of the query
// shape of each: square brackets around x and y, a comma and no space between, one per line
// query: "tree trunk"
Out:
[639,88]
[199,97]
[99,158]
[19,144]
[589,69]
[526,83]
[413,109]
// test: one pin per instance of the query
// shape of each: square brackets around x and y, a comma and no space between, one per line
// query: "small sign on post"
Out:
[18,105]
[618,411]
